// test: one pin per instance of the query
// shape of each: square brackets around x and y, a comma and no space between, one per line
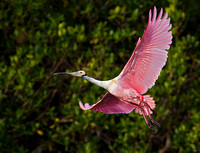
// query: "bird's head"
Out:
[80,73]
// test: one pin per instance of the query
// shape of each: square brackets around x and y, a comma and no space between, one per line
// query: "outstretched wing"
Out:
[109,104]
[150,55]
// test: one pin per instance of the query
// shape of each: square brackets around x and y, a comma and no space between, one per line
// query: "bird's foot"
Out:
[151,126]
[147,112]
[154,122]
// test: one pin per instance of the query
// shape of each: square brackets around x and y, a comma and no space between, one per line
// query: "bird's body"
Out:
[125,92]
[120,99]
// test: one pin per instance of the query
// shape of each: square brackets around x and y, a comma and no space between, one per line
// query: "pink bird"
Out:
[125,92]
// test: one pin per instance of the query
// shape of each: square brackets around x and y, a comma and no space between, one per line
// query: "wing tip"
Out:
[153,18]
[138,42]
[160,14]
[154,14]
[86,107]
[149,17]
[165,15]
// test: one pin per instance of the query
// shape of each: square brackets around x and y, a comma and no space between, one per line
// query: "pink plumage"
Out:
[139,74]
[109,104]
[150,55]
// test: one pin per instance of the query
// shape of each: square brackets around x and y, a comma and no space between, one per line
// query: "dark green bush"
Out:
[40,113]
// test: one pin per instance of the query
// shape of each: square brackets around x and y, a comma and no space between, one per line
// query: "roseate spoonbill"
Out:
[125,92]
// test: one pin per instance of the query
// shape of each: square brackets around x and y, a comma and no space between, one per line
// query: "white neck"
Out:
[103,84]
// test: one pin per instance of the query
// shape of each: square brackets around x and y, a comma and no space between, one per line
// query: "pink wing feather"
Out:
[150,55]
[143,68]
[109,104]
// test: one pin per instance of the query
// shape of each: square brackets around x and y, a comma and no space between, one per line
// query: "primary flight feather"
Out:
[139,74]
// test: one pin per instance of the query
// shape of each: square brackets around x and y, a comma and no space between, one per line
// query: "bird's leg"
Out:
[141,107]
[149,114]
[147,122]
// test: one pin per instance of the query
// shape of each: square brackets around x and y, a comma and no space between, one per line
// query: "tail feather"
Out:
[149,100]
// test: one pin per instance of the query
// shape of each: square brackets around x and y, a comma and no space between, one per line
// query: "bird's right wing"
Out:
[109,104]
[149,56]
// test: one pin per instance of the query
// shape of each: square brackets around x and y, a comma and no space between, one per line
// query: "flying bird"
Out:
[126,91]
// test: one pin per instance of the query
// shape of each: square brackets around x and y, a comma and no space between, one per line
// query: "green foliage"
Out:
[40,113]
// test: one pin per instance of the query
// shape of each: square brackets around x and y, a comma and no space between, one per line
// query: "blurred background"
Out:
[40,113]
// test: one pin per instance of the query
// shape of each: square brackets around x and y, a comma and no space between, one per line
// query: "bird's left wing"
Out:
[149,56]
[109,104]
